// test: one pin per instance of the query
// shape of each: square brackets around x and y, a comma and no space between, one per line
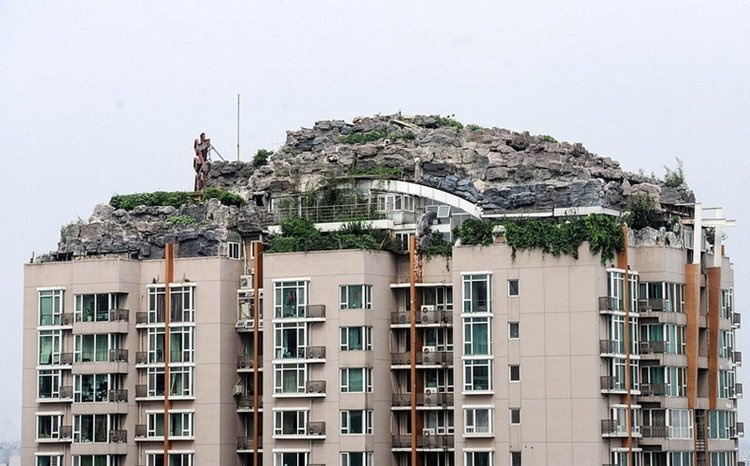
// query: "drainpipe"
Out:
[168,278]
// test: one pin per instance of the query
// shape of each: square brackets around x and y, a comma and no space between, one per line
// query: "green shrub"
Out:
[449,121]
[674,178]
[473,127]
[439,247]
[261,158]
[643,213]
[182,220]
[547,138]
[225,197]
[474,232]
[158,198]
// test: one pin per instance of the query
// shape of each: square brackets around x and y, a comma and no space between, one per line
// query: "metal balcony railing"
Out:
[655,431]
[608,303]
[66,392]
[119,395]
[653,389]
[323,214]
[315,352]
[141,317]
[653,347]
[613,427]
[246,402]
[423,441]
[244,442]
[423,358]
[66,318]
[66,359]
[316,429]
[244,361]
[141,357]
[315,386]
[119,315]
[140,431]
[611,347]
[118,355]
[653,305]
[118,436]
[141,391]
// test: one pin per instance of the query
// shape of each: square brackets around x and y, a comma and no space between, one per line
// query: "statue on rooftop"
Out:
[201,161]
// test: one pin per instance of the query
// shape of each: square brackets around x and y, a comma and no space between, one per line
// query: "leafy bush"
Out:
[225,197]
[473,127]
[158,198]
[439,247]
[301,235]
[643,213]
[547,138]
[360,138]
[475,232]
[674,178]
[449,121]
[261,158]
[182,220]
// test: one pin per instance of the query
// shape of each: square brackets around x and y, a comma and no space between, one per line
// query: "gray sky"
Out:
[106,97]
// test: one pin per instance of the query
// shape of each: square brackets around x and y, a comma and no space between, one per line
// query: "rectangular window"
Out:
[514,373]
[95,460]
[50,347]
[440,338]
[515,458]
[290,340]
[478,458]
[290,458]
[91,388]
[726,384]
[181,303]
[290,299]
[515,415]
[356,380]
[95,348]
[180,381]
[513,287]
[439,422]
[680,424]
[48,426]
[50,307]
[477,336]
[478,420]
[49,384]
[290,378]
[476,293]
[234,250]
[356,458]
[477,375]
[180,425]
[92,427]
[356,297]
[96,307]
[514,331]
[356,338]
[356,421]
[175,459]
[290,422]
[50,460]
[439,296]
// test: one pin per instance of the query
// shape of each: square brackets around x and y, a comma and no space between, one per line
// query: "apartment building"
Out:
[489,357]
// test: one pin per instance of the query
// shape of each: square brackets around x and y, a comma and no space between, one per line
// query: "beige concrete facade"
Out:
[517,361]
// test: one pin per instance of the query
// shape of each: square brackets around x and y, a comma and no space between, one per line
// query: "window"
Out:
[180,344]
[439,296]
[48,426]
[720,424]
[289,378]
[290,422]
[515,415]
[293,458]
[726,345]
[181,303]
[477,336]
[180,381]
[290,340]
[356,338]
[234,250]
[439,422]
[50,307]
[175,459]
[95,460]
[50,346]
[356,297]
[290,299]
[49,460]
[356,380]
[476,293]
[95,307]
[477,375]
[680,424]
[727,303]
[95,348]
[478,458]
[513,330]
[390,202]
[441,338]
[90,388]
[356,421]
[478,420]
[515,458]
[726,384]
[49,384]
[92,427]
[439,380]
[180,424]
[515,373]
[356,458]
[723,458]
[513,287]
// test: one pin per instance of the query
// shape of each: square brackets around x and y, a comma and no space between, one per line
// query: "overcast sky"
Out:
[104,97]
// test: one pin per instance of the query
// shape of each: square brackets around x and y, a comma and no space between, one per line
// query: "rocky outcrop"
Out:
[498,169]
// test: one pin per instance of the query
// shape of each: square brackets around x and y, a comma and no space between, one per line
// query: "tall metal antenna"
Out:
[238,127]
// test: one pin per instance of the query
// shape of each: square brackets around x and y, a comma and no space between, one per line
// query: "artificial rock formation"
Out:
[500,170]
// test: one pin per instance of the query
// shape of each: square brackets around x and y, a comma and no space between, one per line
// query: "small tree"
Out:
[643,213]
[261,158]
[674,178]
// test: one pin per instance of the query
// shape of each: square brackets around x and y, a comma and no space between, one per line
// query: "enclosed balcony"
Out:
[245,403]
[428,399]
[424,318]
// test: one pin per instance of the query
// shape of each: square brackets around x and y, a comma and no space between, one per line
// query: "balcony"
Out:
[653,347]
[316,429]
[423,399]
[653,389]
[423,358]
[244,443]
[423,318]
[611,347]
[655,432]
[655,305]
[315,387]
[736,319]
[423,441]
[245,361]
[119,315]
[311,311]
[118,436]
[245,402]
[613,428]
[609,383]
[315,352]
[609,304]
[118,355]
[120,395]
[66,319]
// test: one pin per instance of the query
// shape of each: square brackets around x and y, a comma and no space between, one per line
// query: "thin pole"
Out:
[257,285]
[168,278]
[238,127]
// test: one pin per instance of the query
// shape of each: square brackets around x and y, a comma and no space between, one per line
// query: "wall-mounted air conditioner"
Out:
[428,431]
[427,308]
[429,349]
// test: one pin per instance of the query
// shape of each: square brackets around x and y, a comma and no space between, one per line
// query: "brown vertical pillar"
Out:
[692,311]
[168,278]
[257,285]
[714,295]
[414,302]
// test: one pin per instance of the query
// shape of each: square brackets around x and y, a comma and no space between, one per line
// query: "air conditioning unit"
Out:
[428,431]
[315,429]
[645,347]
[429,349]
[430,390]
[238,389]
[427,308]
[246,282]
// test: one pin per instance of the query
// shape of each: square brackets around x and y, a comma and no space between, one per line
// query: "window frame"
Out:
[347,423]
[471,425]
[345,291]
[366,379]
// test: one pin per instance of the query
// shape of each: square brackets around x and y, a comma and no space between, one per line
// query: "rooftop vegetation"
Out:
[173,199]
[299,234]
